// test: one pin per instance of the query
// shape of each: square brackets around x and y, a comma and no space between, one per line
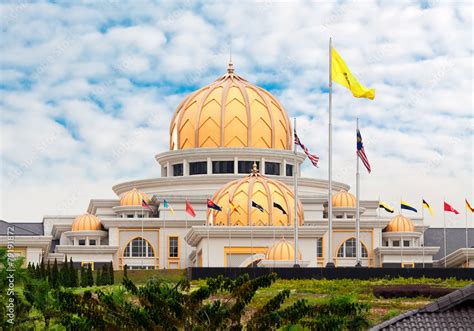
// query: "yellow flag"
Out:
[342,75]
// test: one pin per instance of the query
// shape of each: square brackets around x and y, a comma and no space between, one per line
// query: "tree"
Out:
[42,270]
[64,277]
[125,273]
[111,274]
[72,274]
[54,274]
[89,276]
[83,276]
[48,272]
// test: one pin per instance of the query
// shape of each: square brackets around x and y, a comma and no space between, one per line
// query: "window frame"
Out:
[343,249]
[217,163]
[170,238]
[147,249]
[276,167]
[197,168]
[178,170]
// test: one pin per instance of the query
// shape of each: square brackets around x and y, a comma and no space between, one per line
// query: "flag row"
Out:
[425,205]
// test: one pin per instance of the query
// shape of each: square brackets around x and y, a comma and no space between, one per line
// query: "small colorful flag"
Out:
[145,205]
[427,206]
[404,205]
[278,206]
[361,152]
[386,207]
[190,209]
[212,205]
[312,157]
[341,74]
[448,207]
[168,206]
[256,205]
[468,207]
[233,208]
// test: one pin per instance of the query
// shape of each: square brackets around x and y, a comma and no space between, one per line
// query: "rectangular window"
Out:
[198,168]
[289,170]
[245,167]
[350,248]
[173,247]
[92,242]
[406,243]
[222,167]
[82,242]
[165,172]
[386,243]
[338,216]
[319,248]
[178,169]
[130,216]
[272,168]
[396,243]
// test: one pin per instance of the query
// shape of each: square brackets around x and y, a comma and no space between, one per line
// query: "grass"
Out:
[314,290]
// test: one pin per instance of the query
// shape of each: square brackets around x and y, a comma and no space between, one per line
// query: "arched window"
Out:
[138,247]
[348,249]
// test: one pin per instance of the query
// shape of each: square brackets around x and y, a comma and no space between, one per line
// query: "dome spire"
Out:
[230,66]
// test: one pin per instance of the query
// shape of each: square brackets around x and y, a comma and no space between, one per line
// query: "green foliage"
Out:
[73,280]
[391,314]
[111,279]
[54,280]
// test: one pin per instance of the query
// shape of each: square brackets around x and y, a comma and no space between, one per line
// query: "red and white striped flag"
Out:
[361,152]
[312,157]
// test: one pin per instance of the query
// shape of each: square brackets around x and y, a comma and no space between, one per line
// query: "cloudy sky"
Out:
[79,84]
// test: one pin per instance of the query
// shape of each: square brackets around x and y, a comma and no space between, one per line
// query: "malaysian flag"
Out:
[361,151]
[312,157]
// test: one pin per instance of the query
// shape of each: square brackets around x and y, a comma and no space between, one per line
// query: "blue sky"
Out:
[88,90]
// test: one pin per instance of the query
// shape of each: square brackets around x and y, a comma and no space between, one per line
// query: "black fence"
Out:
[334,273]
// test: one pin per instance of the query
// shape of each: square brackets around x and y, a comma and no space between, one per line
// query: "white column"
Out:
[209,166]
[236,165]
[185,168]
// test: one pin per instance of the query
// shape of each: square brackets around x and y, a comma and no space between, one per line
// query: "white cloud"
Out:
[80,82]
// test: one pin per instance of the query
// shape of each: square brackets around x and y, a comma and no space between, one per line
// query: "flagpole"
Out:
[229,258]
[330,262]
[142,238]
[401,238]
[358,264]
[381,240]
[295,179]
[423,224]
[185,244]
[467,240]
[444,223]
[165,255]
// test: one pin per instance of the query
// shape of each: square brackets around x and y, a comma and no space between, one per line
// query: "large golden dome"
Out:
[86,222]
[231,112]
[400,223]
[263,191]
[282,251]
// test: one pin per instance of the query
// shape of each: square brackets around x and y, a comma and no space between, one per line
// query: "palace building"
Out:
[231,142]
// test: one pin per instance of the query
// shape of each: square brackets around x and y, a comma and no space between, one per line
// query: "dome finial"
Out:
[254,168]
[230,66]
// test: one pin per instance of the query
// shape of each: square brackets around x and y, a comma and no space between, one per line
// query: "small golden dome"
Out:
[282,251]
[400,223]
[86,222]
[268,193]
[343,199]
[133,198]
[230,112]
